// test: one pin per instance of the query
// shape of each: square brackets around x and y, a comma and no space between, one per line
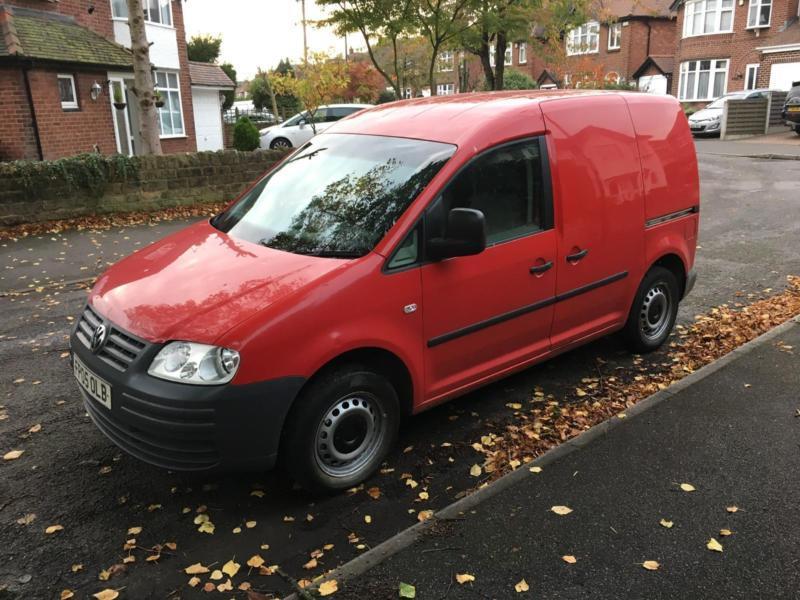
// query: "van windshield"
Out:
[336,196]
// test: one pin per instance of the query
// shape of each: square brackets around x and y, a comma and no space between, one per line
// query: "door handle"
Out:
[577,256]
[538,269]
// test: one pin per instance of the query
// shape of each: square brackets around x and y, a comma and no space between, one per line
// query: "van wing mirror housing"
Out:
[466,235]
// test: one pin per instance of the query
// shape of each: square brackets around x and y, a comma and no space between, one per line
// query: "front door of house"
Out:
[121,113]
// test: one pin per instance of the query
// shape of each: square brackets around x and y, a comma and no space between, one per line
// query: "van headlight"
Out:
[199,364]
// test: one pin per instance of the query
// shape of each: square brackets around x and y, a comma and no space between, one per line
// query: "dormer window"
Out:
[584,39]
[703,17]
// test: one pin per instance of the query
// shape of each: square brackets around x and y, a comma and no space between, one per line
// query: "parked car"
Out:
[404,257]
[296,131]
[791,108]
[708,121]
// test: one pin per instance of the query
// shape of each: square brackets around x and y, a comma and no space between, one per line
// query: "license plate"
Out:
[97,388]
[693,127]
[793,109]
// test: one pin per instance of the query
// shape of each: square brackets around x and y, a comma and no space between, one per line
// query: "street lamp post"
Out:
[305,38]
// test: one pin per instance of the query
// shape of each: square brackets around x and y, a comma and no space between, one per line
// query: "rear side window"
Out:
[510,185]
[340,112]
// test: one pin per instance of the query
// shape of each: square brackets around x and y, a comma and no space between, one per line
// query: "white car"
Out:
[708,121]
[298,130]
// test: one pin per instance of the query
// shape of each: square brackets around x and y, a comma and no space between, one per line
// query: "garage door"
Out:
[782,75]
[653,84]
[207,119]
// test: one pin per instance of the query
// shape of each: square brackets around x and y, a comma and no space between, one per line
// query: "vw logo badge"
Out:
[98,338]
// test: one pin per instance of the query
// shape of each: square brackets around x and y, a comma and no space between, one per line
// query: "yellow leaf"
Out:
[250,524]
[231,568]
[153,558]
[514,405]
[327,547]
[206,527]
[225,587]
[76,567]
[257,493]
[134,530]
[237,530]
[288,519]
[106,594]
[521,586]
[255,561]
[580,392]
[312,564]
[665,523]
[129,559]
[172,546]
[195,569]
[725,532]
[651,565]
[194,581]
[424,515]
[367,519]
[104,575]
[35,429]
[329,587]
[244,586]
[53,529]
[475,471]
[732,509]
[67,594]
[514,463]
[463,578]
[535,469]
[423,495]
[568,558]
[216,575]
[411,483]
[687,487]
[561,510]
[153,507]
[714,545]
[13,455]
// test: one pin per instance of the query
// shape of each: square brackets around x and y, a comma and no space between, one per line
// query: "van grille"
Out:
[120,349]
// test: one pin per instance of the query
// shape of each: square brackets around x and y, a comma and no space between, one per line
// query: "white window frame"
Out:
[714,72]
[700,7]
[166,97]
[508,56]
[758,5]
[615,36]
[590,32]
[68,105]
[446,61]
[522,53]
[754,68]
[445,89]
[170,25]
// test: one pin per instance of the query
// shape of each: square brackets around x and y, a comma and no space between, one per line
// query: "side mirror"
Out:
[302,124]
[466,235]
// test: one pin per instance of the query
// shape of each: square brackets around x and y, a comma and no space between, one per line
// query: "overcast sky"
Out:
[258,33]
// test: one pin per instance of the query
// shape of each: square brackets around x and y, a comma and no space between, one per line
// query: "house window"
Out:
[614,36]
[446,61]
[155,11]
[67,92]
[751,77]
[708,16]
[703,79]
[507,56]
[408,93]
[522,53]
[759,13]
[585,39]
[170,116]
[445,89]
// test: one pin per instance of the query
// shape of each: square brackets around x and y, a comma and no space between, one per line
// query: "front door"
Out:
[487,313]
[123,128]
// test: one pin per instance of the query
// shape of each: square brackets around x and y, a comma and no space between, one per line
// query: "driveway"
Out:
[71,476]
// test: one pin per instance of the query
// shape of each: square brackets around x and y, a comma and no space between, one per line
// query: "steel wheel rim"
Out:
[349,435]
[655,312]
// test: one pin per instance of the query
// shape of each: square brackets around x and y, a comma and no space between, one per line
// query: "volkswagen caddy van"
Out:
[411,253]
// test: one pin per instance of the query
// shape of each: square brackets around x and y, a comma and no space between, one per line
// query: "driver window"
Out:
[507,185]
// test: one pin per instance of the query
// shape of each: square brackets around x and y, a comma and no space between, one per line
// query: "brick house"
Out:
[730,45]
[63,64]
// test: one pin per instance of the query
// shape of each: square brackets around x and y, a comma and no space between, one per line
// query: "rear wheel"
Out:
[280,144]
[340,429]
[654,311]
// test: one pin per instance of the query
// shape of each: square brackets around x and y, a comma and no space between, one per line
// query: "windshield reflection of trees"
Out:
[353,213]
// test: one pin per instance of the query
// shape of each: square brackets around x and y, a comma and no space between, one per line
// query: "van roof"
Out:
[456,118]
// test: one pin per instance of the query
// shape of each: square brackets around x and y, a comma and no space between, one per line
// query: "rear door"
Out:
[487,313]
[597,188]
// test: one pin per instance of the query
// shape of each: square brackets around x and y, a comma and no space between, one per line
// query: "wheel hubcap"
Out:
[655,312]
[349,435]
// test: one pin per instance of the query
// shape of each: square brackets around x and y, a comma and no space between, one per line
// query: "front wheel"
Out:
[654,311]
[340,429]
[280,144]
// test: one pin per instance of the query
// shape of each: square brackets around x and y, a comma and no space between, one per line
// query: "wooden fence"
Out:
[744,118]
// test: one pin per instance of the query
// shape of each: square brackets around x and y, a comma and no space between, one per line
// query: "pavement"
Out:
[782,145]
[70,475]
[732,435]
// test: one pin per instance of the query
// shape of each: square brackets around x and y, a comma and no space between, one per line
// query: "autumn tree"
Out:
[365,83]
[319,81]
[143,89]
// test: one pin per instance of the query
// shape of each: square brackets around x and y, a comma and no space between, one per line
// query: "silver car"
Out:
[708,121]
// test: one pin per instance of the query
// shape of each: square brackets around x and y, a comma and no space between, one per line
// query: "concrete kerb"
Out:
[405,538]
[759,156]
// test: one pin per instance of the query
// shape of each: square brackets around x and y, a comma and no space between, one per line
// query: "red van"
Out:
[411,253]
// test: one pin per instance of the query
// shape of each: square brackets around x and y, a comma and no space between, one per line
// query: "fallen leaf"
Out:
[195,569]
[312,564]
[216,575]
[521,586]
[153,558]
[250,524]
[580,392]
[424,515]
[134,530]
[171,545]
[255,561]
[153,507]
[732,509]
[106,594]
[561,510]
[76,567]
[27,519]
[66,594]
[367,519]
[209,587]
[714,545]
[231,568]
[475,471]
[665,523]
[407,591]
[329,587]
[514,405]
[423,495]
[257,493]
[725,532]
[35,429]
[568,558]
[463,578]
[237,530]
[194,581]
[225,587]
[206,527]
[411,483]
[687,487]
[13,455]
[53,529]
[535,469]
[374,493]
[104,470]
[651,565]
[244,586]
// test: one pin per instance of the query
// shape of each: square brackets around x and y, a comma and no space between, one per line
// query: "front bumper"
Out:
[705,127]
[186,427]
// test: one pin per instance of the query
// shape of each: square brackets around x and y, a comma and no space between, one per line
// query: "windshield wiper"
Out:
[338,253]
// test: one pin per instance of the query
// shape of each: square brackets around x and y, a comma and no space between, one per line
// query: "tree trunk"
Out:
[432,71]
[500,59]
[273,101]
[143,81]
[486,61]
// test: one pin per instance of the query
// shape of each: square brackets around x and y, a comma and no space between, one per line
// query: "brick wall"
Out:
[188,143]
[67,132]
[17,139]
[162,181]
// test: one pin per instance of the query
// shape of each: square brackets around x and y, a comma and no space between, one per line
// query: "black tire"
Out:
[280,144]
[653,311]
[320,448]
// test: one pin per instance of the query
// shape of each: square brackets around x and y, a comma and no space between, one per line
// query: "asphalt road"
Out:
[72,476]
